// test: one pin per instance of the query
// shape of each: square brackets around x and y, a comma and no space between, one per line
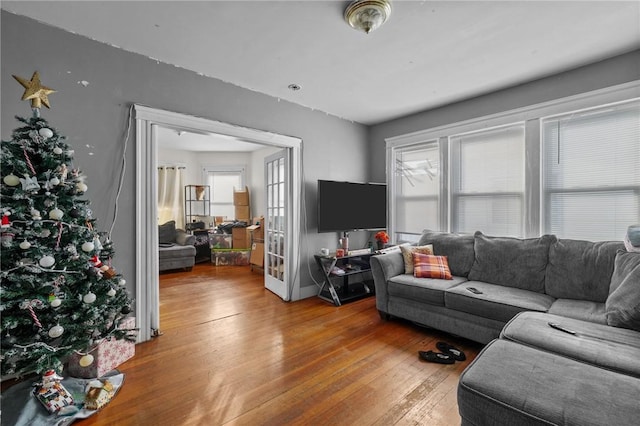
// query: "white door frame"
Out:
[147,281]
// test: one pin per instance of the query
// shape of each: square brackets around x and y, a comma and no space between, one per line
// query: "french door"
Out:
[278,219]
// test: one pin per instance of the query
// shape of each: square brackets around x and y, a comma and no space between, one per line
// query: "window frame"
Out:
[531,115]
[214,168]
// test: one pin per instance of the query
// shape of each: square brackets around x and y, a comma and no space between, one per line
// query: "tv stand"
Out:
[338,286]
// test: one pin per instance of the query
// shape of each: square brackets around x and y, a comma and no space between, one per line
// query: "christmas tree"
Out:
[59,294]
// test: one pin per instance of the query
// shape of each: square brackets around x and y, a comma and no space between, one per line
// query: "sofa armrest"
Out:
[383,268]
[183,238]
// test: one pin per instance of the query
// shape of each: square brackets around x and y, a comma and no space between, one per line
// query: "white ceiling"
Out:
[430,53]
[169,138]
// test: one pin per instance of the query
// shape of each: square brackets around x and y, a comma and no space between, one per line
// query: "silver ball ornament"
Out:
[89,298]
[25,245]
[45,132]
[88,247]
[47,261]
[56,214]
[56,331]
[86,360]
[11,180]
[57,150]
[111,293]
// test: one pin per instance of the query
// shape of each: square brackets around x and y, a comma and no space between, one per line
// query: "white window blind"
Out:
[488,181]
[222,182]
[417,189]
[591,175]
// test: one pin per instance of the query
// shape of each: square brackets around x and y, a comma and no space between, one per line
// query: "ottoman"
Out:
[514,384]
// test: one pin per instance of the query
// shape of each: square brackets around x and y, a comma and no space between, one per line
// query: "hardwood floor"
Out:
[233,353]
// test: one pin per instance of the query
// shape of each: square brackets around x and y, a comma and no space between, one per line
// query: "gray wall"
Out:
[97,114]
[617,70]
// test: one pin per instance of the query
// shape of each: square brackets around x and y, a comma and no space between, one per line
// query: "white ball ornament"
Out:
[56,331]
[56,214]
[81,187]
[47,261]
[88,247]
[86,360]
[45,132]
[54,181]
[25,245]
[122,282]
[11,180]
[55,302]
[89,298]
[57,150]
[111,293]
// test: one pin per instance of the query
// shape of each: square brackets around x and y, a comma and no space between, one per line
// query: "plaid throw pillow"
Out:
[429,266]
[407,255]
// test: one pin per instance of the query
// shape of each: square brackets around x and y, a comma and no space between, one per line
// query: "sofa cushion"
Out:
[424,290]
[584,310]
[167,232]
[457,247]
[407,255]
[607,347]
[623,304]
[580,269]
[495,301]
[429,266]
[513,384]
[511,262]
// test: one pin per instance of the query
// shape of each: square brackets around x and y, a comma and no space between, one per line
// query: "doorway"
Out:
[147,282]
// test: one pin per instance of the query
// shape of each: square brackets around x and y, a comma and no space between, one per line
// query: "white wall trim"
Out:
[619,93]
[147,282]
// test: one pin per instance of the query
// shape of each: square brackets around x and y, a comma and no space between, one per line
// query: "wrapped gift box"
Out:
[108,355]
[226,257]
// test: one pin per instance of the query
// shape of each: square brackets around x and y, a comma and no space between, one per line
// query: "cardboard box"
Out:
[241,238]
[242,213]
[230,257]
[241,197]
[257,254]
[220,240]
[256,232]
[106,356]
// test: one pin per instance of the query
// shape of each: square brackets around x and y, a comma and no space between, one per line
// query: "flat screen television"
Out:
[351,206]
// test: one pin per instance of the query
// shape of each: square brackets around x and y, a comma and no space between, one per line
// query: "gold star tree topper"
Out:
[35,91]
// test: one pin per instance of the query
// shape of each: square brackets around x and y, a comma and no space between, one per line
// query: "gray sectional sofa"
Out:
[176,249]
[531,373]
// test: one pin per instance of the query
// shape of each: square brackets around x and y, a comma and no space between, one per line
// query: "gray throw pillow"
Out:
[457,247]
[167,232]
[511,262]
[623,304]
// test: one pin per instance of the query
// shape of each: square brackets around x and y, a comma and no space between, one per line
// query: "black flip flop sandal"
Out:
[440,358]
[455,353]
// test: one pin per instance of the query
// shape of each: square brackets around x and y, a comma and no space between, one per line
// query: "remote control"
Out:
[561,328]
[474,290]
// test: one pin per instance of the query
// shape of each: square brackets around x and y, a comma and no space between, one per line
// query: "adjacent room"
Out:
[369,212]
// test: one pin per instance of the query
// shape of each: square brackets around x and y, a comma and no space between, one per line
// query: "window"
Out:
[591,175]
[488,182]
[568,167]
[222,181]
[417,190]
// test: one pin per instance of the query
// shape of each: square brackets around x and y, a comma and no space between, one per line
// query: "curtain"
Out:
[170,195]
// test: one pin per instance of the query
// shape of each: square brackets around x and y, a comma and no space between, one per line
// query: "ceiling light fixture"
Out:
[367,15]
[294,87]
